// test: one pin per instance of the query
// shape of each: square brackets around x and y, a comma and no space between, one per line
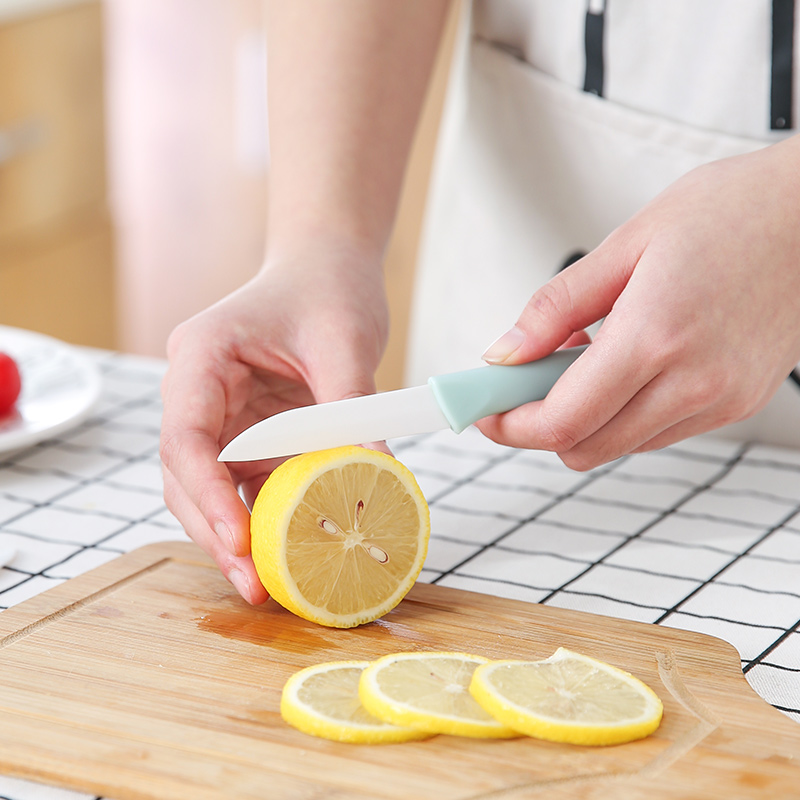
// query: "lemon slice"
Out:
[568,698]
[428,691]
[323,701]
[339,536]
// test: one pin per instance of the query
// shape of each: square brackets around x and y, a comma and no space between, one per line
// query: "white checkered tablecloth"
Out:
[703,536]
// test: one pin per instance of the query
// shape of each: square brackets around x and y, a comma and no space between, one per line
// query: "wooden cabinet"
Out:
[56,245]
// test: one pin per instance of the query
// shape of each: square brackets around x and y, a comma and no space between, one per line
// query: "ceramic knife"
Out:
[454,400]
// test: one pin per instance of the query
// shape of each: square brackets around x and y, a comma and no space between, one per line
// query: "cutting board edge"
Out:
[106,578]
[94,583]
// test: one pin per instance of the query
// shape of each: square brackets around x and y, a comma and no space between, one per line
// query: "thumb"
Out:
[341,370]
[578,296]
[344,374]
[341,382]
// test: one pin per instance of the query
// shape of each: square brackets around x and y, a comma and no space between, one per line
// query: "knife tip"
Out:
[225,454]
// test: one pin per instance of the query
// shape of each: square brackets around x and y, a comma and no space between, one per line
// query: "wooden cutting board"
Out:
[150,678]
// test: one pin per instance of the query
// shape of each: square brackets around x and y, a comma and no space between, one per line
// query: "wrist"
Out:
[338,224]
[311,245]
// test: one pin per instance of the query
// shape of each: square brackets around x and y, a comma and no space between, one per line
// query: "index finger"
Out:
[194,415]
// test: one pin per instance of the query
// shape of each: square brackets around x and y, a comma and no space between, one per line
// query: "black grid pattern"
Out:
[703,536]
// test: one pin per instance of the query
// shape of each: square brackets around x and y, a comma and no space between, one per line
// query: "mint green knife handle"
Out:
[465,397]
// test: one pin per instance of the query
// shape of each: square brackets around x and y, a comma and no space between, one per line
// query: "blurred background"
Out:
[134,159]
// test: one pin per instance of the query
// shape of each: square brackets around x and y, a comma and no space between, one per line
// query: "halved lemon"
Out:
[323,701]
[428,691]
[568,698]
[339,536]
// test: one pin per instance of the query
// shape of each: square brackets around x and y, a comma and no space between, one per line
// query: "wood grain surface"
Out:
[150,678]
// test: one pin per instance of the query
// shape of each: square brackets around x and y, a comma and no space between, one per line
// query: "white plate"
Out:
[59,387]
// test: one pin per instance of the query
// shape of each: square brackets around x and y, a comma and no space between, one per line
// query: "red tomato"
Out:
[10,383]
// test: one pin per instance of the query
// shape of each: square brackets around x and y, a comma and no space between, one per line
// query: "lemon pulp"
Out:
[323,701]
[568,698]
[339,536]
[428,691]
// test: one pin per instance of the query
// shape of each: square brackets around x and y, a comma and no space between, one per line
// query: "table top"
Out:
[703,535]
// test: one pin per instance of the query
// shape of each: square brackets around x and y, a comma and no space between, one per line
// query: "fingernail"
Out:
[225,535]
[240,583]
[502,348]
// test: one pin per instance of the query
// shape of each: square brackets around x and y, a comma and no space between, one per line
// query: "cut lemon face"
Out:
[339,536]
[323,701]
[568,698]
[428,691]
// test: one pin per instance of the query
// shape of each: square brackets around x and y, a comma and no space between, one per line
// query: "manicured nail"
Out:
[240,583]
[225,535]
[501,349]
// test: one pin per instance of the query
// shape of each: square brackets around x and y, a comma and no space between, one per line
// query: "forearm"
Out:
[346,84]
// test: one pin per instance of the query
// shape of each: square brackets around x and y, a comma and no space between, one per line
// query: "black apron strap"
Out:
[593,40]
[781,117]
[780,111]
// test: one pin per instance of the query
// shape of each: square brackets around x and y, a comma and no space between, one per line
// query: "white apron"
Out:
[531,168]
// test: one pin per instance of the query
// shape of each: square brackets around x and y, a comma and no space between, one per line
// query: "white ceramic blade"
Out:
[373,418]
